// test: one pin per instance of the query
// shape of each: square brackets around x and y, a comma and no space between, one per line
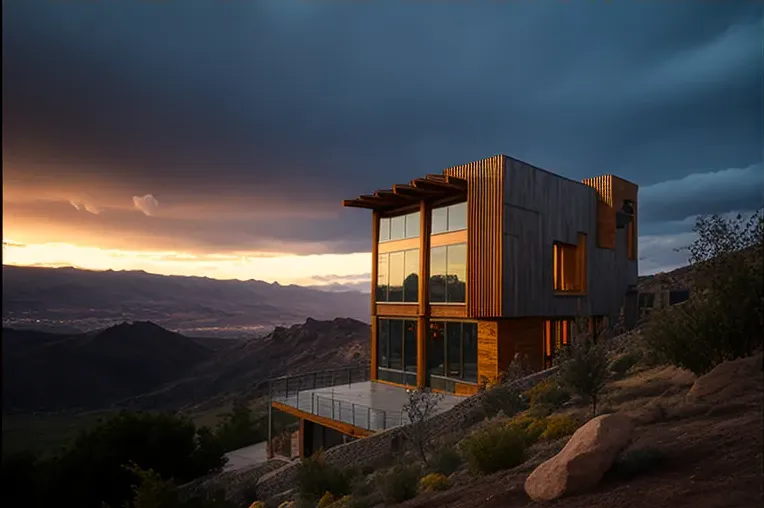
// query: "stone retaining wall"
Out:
[367,450]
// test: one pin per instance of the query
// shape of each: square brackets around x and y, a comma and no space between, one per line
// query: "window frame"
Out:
[448,208]
[415,252]
[446,285]
[385,225]
[570,257]
[447,325]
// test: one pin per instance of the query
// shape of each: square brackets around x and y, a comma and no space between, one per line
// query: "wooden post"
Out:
[374,265]
[424,293]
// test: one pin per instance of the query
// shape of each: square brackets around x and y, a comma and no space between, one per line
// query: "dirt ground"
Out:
[714,456]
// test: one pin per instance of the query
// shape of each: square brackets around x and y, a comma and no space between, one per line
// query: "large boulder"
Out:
[730,382]
[584,460]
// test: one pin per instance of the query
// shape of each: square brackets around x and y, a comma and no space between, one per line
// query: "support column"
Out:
[374,265]
[423,321]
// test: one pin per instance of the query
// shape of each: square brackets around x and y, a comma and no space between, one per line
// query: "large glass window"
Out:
[448,274]
[398,276]
[399,227]
[436,348]
[452,350]
[449,218]
[396,350]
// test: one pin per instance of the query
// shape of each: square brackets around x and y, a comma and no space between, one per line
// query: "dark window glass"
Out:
[454,349]
[409,347]
[457,216]
[397,227]
[469,351]
[382,277]
[411,281]
[439,220]
[456,268]
[435,348]
[396,344]
[438,274]
[396,277]
[383,343]
[412,225]
[384,229]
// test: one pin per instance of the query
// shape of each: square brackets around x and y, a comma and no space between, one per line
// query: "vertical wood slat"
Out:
[485,223]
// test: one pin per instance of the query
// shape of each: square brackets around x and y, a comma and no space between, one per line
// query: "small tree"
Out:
[422,405]
[584,364]
[722,320]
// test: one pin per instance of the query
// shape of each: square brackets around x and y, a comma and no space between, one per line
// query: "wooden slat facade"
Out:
[485,197]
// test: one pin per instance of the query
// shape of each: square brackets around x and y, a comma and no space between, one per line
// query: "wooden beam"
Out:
[356,203]
[423,183]
[393,196]
[409,190]
[339,426]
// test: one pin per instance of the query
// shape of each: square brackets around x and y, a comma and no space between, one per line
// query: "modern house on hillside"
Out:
[469,268]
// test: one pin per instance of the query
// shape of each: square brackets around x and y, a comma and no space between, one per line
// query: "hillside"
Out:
[43,371]
[245,366]
[143,366]
[54,298]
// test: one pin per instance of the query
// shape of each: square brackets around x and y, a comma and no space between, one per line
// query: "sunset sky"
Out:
[218,138]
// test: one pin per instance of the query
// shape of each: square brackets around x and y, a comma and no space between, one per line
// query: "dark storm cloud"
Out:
[317,101]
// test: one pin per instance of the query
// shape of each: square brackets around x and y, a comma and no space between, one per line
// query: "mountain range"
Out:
[74,300]
[141,365]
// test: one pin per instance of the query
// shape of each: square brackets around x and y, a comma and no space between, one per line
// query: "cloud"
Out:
[146,204]
[85,206]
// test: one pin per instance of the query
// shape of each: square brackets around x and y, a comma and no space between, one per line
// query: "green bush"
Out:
[502,399]
[494,449]
[446,460]
[637,462]
[399,484]
[434,482]
[622,363]
[315,477]
[558,426]
[548,392]
[722,319]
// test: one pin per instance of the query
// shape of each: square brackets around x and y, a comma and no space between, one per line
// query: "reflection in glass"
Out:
[435,346]
[456,268]
[383,343]
[457,216]
[454,349]
[439,220]
[469,352]
[395,279]
[409,346]
[438,274]
[397,227]
[411,280]
[412,225]
[384,229]
[396,344]
[382,277]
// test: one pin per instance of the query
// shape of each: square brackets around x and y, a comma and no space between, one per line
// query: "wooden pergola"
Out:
[430,187]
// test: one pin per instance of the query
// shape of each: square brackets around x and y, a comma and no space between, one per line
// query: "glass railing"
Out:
[299,392]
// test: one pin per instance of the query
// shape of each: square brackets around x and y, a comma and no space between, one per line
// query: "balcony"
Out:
[348,396]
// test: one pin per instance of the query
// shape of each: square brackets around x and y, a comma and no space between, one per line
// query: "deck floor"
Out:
[368,404]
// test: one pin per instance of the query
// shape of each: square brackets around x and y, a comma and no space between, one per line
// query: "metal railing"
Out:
[299,392]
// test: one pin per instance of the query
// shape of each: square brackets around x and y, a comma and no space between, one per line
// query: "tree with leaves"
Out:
[723,319]
[584,364]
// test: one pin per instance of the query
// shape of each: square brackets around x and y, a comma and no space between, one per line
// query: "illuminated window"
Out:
[570,266]
[398,276]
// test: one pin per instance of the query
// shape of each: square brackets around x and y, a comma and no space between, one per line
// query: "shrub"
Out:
[623,362]
[558,426]
[529,426]
[493,449]
[315,477]
[722,319]
[502,399]
[637,462]
[446,460]
[434,482]
[399,483]
[548,392]
[326,500]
